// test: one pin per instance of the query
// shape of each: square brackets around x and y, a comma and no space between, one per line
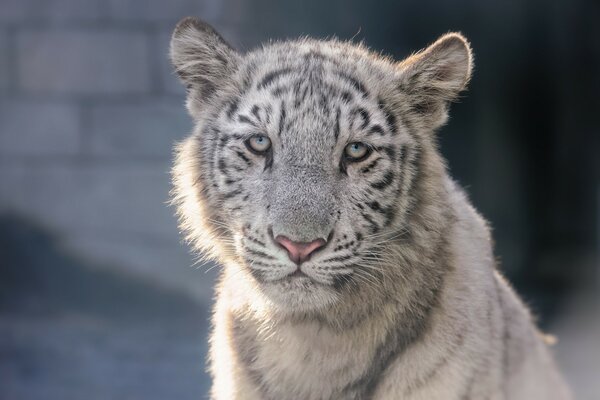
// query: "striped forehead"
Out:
[309,102]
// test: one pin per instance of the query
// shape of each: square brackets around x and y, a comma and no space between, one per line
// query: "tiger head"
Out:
[312,162]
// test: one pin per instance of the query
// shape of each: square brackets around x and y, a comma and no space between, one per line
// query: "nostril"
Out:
[299,252]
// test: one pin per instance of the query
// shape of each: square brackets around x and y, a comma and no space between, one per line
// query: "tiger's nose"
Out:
[299,252]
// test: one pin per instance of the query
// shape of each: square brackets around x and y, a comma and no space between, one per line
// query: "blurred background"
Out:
[98,297]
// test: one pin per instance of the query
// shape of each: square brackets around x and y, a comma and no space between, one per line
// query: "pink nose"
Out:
[299,252]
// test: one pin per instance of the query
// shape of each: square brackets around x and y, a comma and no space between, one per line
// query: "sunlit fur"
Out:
[404,301]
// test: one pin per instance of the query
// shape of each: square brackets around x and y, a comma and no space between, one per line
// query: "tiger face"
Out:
[302,165]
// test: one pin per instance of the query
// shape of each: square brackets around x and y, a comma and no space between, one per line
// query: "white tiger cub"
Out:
[353,266]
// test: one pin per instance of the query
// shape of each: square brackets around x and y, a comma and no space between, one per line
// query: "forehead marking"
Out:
[273,76]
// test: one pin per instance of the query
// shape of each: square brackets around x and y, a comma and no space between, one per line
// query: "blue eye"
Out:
[357,151]
[258,144]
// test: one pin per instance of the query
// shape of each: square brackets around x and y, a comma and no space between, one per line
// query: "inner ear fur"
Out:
[436,75]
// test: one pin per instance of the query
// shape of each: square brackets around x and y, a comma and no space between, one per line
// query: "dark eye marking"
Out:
[372,165]
[390,151]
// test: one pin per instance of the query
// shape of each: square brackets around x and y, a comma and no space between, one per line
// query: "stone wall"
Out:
[89,112]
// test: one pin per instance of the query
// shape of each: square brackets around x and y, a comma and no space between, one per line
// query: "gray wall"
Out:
[89,111]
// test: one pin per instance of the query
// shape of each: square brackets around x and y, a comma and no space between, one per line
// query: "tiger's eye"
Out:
[258,143]
[357,151]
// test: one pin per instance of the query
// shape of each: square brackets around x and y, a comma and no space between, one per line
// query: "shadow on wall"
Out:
[71,331]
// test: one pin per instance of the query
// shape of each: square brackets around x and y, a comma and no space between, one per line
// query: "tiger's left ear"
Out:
[434,77]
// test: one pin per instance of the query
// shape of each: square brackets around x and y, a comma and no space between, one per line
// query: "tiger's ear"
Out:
[204,61]
[435,76]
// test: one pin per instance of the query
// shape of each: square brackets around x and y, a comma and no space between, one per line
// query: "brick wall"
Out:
[89,110]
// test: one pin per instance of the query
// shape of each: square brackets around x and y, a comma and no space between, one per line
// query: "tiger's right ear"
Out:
[204,61]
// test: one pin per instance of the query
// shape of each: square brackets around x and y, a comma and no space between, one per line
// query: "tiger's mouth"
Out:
[298,273]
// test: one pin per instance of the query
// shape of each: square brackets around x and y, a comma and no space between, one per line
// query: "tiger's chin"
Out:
[299,294]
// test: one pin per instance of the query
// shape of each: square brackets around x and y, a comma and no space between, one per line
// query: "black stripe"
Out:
[243,157]
[222,166]
[372,165]
[365,116]
[374,227]
[245,119]
[356,84]
[387,180]
[389,150]
[279,90]
[376,129]
[223,140]
[313,54]
[255,111]
[255,240]
[346,96]
[281,118]
[336,129]
[338,259]
[233,106]
[231,194]
[272,76]
[259,253]
[389,116]
[268,111]
[300,97]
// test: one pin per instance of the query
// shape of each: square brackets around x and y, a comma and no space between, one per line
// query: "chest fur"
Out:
[305,361]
